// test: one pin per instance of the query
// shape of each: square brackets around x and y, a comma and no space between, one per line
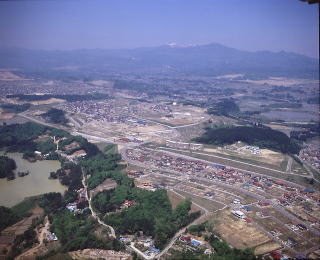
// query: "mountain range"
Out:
[206,60]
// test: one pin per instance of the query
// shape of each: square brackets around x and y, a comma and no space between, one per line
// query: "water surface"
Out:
[36,183]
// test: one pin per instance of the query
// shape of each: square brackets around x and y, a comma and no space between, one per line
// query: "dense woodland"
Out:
[23,138]
[55,116]
[15,108]
[224,108]
[90,148]
[77,232]
[69,175]
[152,214]
[262,137]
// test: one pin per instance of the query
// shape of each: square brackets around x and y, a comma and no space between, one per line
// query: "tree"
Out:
[7,165]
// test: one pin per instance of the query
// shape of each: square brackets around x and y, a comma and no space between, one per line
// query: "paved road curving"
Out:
[112,232]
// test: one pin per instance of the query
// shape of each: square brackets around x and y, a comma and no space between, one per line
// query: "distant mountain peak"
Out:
[205,60]
[172,44]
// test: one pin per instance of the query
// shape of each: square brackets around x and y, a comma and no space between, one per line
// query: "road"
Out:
[112,232]
[41,237]
[236,161]
[209,162]
[308,167]
[289,165]
[178,234]
[123,153]
[277,207]
[181,231]
[37,120]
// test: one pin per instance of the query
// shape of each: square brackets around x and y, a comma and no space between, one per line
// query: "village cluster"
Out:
[311,155]
[112,110]
[276,197]
[229,175]
[81,198]
[109,111]
[27,86]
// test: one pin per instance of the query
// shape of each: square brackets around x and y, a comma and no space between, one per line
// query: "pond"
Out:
[37,182]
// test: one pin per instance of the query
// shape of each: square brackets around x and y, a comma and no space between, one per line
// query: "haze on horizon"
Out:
[274,25]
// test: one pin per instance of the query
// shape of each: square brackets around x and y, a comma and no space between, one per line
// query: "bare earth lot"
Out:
[239,233]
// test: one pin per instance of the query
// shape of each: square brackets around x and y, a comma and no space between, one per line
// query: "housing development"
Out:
[159,130]
[236,187]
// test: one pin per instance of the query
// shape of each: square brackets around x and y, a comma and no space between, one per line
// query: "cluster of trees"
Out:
[224,108]
[7,165]
[303,135]
[90,148]
[76,232]
[21,138]
[99,177]
[7,217]
[69,175]
[46,146]
[197,229]
[100,162]
[222,251]
[51,202]
[15,108]
[152,212]
[309,131]
[283,105]
[69,98]
[262,137]
[24,241]
[55,116]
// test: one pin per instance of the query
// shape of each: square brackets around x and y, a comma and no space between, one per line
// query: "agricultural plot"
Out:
[232,230]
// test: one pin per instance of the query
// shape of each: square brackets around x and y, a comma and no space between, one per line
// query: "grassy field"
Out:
[205,203]
[298,168]
[107,148]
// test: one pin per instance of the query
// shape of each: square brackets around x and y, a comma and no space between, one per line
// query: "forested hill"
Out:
[262,137]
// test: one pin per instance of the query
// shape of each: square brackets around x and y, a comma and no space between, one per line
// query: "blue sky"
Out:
[274,25]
